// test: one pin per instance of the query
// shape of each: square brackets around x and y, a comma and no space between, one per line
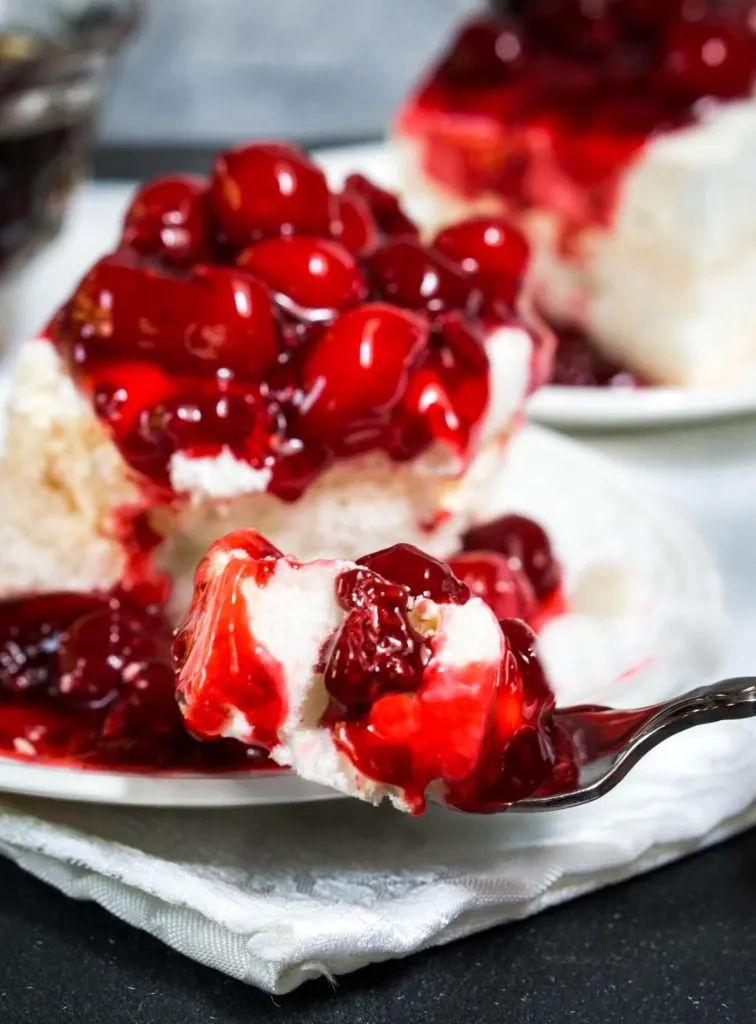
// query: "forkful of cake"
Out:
[390,677]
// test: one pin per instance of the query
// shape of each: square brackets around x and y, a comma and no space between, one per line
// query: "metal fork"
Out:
[609,742]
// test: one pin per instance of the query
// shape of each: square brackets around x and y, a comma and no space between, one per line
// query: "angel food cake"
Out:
[259,351]
[263,351]
[385,677]
[622,136]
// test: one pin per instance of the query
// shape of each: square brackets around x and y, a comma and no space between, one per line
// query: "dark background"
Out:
[674,947]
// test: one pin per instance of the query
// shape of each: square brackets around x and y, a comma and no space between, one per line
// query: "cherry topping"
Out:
[386,209]
[309,276]
[486,50]
[268,189]
[422,574]
[546,106]
[170,218]
[323,328]
[447,398]
[359,367]
[376,650]
[480,731]
[415,277]
[709,57]
[493,578]
[525,544]
[213,317]
[491,249]
[353,224]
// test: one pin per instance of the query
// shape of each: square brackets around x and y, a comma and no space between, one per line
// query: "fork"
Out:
[608,742]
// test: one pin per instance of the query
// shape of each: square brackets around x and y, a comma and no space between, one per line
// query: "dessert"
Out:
[384,677]
[621,135]
[263,351]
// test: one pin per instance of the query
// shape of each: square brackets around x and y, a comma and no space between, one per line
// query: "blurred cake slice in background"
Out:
[622,136]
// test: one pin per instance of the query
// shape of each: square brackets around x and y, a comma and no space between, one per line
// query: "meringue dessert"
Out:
[259,351]
[621,135]
[384,677]
[263,351]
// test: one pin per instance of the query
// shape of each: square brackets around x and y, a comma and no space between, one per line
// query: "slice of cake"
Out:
[622,136]
[263,351]
[384,677]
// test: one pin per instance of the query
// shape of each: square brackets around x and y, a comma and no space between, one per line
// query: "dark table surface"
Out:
[675,947]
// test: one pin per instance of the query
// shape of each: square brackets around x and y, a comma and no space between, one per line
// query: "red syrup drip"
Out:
[482,733]
[221,668]
[260,314]
[86,680]
[548,104]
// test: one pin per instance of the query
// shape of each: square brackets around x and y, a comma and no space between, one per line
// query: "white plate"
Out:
[93,227]
[664,615]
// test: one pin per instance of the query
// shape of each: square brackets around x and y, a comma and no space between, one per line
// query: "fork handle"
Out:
[718,702]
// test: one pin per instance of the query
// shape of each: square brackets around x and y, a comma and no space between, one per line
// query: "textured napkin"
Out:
[276,895]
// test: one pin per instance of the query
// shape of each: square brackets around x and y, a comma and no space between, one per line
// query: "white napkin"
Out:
[276,895]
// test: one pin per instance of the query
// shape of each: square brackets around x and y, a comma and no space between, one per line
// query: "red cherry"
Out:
[375,651]
[269,189]
[486,52]
[170,218]
[525,544]
[417,277]
[358,368]
[353,224]
[447,397]
[214,317]
[585,29]
[422,574]
[709,58]
[386,209]
[490,248]
[491,577]
[310,276]
[204,422]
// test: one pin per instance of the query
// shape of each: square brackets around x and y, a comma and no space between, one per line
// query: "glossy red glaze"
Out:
[220,667]
[87,679]
[269,189]
[314,277]
[525,544]
[546,105]
[170,218]
[492,577]
[323,329]
[481,733]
